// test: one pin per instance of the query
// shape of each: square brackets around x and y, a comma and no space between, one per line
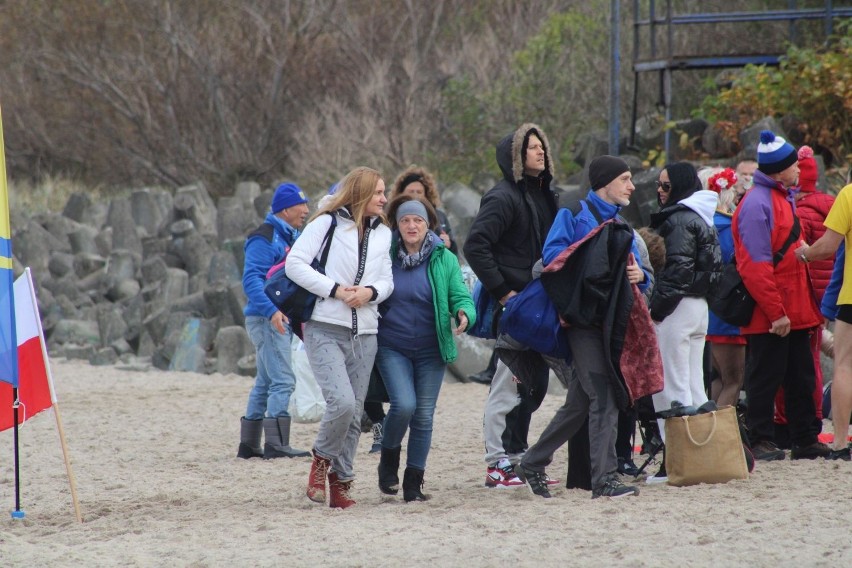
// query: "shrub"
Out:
[812,84]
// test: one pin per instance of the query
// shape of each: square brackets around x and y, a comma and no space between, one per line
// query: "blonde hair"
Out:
[726,200]
[355,191]
[424,177]
[705,173]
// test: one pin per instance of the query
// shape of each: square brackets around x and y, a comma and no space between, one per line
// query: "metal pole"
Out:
[667,79]
[17,513]
[635,72]
[614,73]
[793,31]
[828,20]
[667,98]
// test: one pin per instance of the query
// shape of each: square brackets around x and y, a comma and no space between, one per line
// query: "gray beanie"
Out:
[413,207]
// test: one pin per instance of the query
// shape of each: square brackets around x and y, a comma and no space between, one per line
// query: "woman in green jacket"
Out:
[416,339]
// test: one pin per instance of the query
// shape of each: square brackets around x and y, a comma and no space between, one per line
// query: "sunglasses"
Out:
[667,186]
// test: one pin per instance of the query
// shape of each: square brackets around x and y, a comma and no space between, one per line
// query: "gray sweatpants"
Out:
[589,394]
[503,397]
[341,365]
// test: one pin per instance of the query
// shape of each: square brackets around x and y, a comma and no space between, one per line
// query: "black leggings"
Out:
[376,395]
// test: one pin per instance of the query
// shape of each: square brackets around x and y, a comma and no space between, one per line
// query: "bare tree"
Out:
[169,94]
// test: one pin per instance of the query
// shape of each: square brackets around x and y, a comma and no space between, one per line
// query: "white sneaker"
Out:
[659,477]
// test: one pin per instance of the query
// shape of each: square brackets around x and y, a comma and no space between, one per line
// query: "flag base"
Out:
[18,514]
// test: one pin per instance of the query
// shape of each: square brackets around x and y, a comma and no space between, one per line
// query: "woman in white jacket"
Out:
[340,337]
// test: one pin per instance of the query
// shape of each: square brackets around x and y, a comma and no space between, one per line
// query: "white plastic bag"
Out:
[306,403]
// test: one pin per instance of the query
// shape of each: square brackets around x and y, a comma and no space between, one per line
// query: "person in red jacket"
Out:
[785,315]
[812,206]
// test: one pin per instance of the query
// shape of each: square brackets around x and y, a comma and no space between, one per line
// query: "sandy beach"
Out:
[159,484]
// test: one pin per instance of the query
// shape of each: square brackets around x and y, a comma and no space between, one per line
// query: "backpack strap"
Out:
[594,211]
[327,241]
[792,238]
[264,230]
[578,207]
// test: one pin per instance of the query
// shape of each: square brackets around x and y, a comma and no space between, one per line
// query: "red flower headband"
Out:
[725,179]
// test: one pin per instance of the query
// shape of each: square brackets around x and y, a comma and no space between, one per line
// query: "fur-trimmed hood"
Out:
[510,149]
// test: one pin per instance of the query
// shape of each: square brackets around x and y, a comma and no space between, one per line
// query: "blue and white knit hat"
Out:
[774,154]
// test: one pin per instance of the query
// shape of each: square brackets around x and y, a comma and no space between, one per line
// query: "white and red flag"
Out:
[34,390]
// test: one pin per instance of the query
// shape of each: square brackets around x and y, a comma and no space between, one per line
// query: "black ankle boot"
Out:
[389,471]
[250,432]
[412,482]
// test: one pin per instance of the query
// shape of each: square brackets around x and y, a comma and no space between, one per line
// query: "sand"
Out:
[159,484]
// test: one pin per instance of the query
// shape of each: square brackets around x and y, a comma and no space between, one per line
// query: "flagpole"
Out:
[55,403]
[6,266]
[17,513]
[71,481]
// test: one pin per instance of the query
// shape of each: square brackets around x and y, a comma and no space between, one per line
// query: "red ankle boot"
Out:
[316,479]
[339,492]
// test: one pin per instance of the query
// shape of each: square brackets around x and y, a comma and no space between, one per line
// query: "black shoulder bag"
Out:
[729,299]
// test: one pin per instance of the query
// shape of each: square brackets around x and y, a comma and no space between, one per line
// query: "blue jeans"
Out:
[275,381]
[413,379]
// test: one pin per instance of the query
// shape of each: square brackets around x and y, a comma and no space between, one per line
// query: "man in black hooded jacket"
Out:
[503,244]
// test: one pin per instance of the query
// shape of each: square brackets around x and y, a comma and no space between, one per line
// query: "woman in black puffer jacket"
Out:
[678,303]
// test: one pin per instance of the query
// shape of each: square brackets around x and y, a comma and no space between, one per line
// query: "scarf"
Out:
[413,260]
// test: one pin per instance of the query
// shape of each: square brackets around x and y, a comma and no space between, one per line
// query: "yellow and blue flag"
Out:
[8,339]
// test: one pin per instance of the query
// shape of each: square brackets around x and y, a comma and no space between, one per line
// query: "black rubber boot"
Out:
[389,471]
[412,482]
[277,443]
[250,431]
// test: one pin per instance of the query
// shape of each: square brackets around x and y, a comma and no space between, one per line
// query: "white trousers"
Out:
[681,337]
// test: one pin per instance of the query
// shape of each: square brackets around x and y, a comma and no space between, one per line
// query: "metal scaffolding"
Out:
[664,60]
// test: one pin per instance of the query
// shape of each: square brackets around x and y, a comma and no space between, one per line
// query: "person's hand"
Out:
[780,327]
[359,295]
[462,317]
[446,238]
[635,275]
[343,294]
[279,320]
[827,343]
[800,252]
[505,298]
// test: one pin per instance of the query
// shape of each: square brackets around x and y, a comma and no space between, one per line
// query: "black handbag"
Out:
[292,300]
[729,299]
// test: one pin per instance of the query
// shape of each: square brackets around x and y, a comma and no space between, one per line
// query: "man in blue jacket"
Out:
[590,393]
[270,331]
